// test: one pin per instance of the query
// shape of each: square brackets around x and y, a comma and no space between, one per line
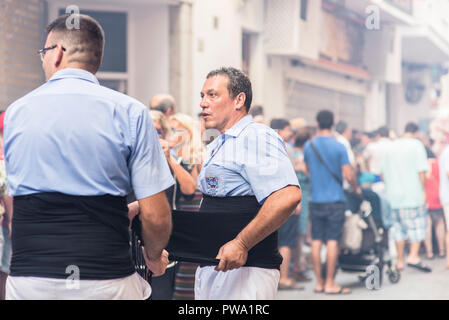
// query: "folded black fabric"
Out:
[55,233]
[201,234]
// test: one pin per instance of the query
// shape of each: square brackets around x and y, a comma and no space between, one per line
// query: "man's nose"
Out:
[203,103]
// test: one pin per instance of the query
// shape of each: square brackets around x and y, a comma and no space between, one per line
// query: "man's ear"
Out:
[240,101]
[58,56]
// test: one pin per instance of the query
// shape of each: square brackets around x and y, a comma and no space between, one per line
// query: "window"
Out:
[303,9]
[246,53]
[113,72]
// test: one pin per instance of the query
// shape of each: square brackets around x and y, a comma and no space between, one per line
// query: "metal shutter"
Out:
[305,101]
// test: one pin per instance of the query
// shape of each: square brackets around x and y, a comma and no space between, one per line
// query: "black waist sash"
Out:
[220,220]
[54,235]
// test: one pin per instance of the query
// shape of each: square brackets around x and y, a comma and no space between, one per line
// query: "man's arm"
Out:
[155,215]
[186,182]
[349,175]
[9,209]
[422,179]
[275,211]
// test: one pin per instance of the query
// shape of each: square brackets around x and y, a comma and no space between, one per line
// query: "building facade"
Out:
[372,62]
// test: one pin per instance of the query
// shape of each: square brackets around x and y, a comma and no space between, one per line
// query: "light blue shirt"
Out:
[249,159]
[73,136]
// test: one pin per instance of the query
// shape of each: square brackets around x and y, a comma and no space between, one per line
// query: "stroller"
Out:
[371,256]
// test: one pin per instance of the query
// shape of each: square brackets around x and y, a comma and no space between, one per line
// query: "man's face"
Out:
[286,133]
[216,103]
[348,133]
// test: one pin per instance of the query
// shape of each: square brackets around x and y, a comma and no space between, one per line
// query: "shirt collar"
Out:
[237,128]
[74,73]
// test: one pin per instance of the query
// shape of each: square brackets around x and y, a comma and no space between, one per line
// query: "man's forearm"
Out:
[155,216]
[8,206]
[186,182]
[422,178]
[155,236]
[275,211]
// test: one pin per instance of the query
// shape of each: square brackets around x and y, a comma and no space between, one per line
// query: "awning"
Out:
[422,45]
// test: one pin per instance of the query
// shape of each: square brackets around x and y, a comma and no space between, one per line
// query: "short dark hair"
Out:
[341,127]
[85,44]
[325,119]
[238,82]
[279,124]
[256,111]
[301,137]
[383,132]
[411,127]
[164,105]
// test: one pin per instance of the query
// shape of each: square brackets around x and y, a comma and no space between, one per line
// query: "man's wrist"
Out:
[242,243]
[154,255]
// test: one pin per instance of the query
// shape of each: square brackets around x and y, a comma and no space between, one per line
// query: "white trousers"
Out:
[246,283]
[133,287]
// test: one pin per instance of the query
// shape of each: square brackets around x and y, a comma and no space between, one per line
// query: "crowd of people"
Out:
[334,162]
[71,182]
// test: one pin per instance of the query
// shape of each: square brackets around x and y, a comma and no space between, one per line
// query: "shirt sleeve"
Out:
[267,167]
[148,166]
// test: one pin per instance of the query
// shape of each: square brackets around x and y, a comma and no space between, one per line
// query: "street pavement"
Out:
[413,285]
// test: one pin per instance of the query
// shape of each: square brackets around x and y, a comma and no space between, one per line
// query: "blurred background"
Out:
[372,62]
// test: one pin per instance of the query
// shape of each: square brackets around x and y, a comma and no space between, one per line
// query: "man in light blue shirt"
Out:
[73,151]
[246,169]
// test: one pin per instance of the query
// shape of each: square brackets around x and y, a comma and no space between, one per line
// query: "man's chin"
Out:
[209,124]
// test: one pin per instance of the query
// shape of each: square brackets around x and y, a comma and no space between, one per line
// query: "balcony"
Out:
[406,6]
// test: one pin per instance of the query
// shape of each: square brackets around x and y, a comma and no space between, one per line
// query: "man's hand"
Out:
[165,147]
[157,265]
[232,255]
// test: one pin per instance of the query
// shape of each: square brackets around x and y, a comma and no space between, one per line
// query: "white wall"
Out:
[151,53]
[375,106]
[383,54]
[400,110]
[217,37]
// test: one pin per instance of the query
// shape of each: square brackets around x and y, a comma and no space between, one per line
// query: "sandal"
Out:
[341,291]
[301,277]
[420,266]
[292,286]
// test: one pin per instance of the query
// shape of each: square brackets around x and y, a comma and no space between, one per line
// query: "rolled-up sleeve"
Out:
[148,166]
[267,167]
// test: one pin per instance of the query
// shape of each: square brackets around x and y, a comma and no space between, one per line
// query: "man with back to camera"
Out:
[70,177]
[246,169]
[327,162]
[403,169]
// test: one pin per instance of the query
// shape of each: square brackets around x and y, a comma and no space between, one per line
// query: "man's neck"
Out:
[408,135]
[233,121]
[325,133]
[73,65]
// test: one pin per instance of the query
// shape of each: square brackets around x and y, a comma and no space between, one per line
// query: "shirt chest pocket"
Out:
[219,181]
